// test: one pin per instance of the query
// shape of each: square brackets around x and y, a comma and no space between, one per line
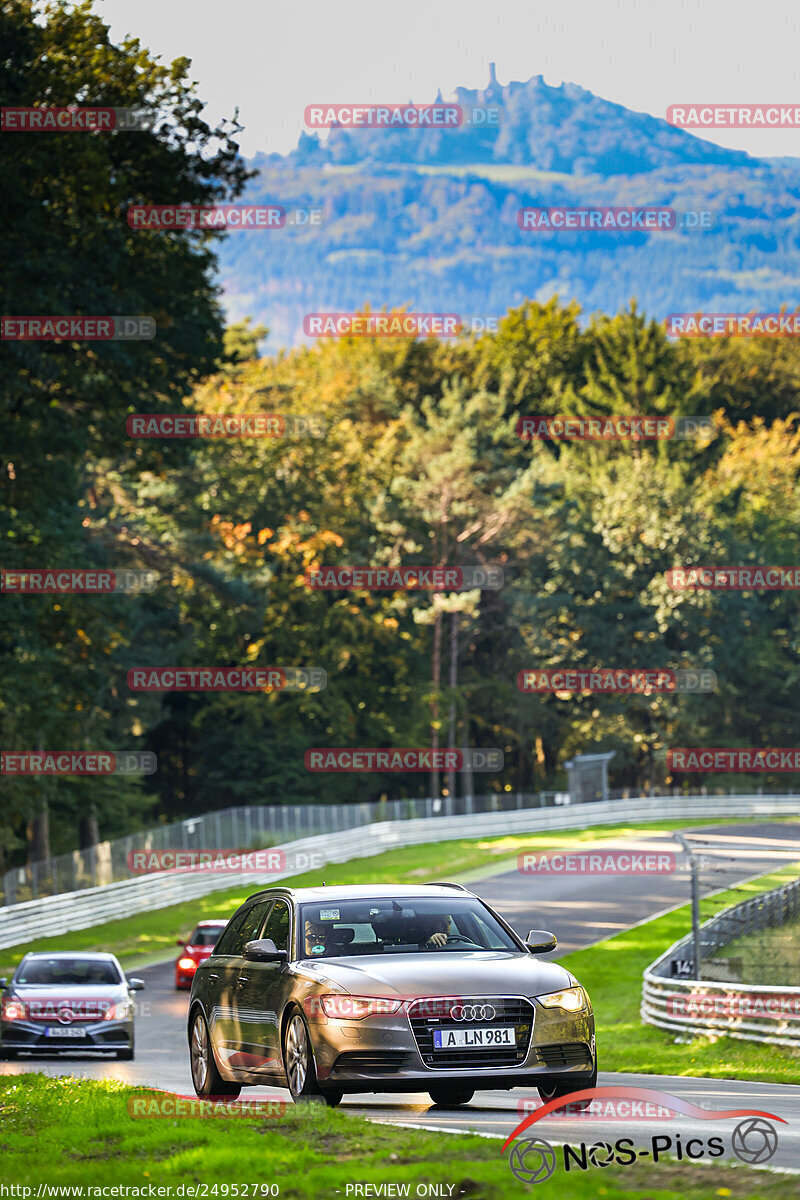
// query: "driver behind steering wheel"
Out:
[439,927]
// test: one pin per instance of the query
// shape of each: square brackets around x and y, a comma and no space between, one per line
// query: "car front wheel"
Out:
[298,1059]
[208,1083]
[551,1091]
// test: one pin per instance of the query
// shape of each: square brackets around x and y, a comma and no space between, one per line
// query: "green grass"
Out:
[68,1132]
[769,957]
[148,936]
[612,973]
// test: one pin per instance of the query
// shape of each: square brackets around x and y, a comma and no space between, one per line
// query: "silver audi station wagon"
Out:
[336,990]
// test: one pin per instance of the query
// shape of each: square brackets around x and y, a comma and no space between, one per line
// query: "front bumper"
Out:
[98,1035]
[396,1053]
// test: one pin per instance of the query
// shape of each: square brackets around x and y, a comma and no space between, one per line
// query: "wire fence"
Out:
[259,826]
[244,828]
[757,941]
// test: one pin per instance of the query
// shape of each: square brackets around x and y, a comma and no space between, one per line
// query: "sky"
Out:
[271,60]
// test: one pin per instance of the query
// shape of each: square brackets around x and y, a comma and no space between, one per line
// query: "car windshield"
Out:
[207,936]
[73,972]
[437,925]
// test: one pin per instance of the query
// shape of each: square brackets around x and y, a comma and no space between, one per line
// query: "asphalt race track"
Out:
[581,910]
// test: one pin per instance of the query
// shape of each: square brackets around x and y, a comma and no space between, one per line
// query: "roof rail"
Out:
[459,886]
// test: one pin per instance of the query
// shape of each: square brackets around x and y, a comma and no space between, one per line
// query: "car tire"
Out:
[207,1081]
[560,1087]
[7,1055]
[126,1055]
[298,1062]
[447,1097]
[333,1097]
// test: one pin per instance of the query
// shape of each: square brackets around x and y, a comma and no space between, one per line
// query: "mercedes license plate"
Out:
[64,1033]
[454,1039]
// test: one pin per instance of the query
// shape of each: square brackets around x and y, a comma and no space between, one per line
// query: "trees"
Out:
[66,248]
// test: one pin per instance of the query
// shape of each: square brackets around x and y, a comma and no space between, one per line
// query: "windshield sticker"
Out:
[329,914]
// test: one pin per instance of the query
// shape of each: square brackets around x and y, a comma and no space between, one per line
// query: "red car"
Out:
[196,950]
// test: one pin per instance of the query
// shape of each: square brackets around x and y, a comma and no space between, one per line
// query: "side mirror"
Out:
[136,985]
[264,950]
[539,941]
[180,942]
[3,982]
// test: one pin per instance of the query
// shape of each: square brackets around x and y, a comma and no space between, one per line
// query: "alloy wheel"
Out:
[199,1053]
[297,1055]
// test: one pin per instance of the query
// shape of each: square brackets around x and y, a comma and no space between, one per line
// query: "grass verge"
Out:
[65,1132]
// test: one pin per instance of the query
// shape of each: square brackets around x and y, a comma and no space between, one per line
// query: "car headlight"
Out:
[571,999]
[187,964]
[13,1010]
[355,1008]
[117,1012]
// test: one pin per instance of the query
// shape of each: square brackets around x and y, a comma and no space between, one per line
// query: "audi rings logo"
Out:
[473,1012]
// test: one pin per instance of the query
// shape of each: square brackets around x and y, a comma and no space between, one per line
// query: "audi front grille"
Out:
[428,1015]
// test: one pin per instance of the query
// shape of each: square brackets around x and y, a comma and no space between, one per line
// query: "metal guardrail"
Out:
[727,1008]
[237,829]
[259,826]
[20,923]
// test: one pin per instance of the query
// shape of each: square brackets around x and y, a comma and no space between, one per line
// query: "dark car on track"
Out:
[196,949]
[59,1002]
[372,989]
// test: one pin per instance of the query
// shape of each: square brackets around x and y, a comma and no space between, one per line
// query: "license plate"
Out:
[64,1033]
[449,1039]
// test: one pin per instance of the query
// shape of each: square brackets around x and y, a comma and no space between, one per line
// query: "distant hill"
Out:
[561,128]
[428,218]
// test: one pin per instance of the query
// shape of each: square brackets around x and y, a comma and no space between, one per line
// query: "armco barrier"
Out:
[757,913]
[20,923]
